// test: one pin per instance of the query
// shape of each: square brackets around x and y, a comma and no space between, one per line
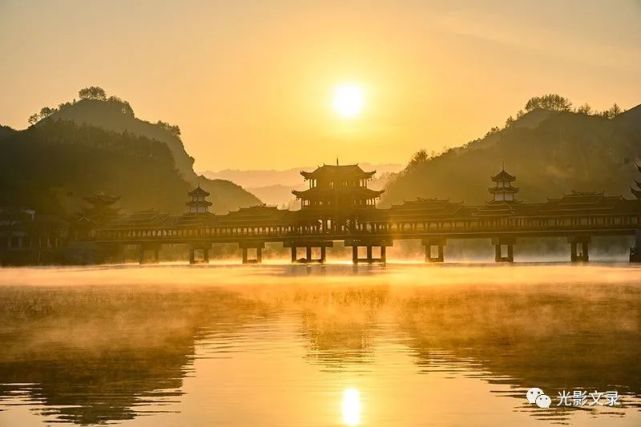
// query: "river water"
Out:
[332,345]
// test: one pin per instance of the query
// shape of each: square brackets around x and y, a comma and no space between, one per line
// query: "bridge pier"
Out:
[153,248]
[369,245]
[579,248]
[635,251]
[309,246]
[503,249]
[434,250]
[257,246]
[199,248]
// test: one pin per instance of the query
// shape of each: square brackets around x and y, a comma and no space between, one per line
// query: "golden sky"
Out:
[250,82]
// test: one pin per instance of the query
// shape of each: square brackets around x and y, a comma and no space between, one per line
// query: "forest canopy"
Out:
[552,148]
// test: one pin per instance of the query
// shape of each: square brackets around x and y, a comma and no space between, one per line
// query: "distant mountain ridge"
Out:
[287,177]
[550,152]
[274,187]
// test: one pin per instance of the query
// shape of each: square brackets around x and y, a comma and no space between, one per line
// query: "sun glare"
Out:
[348,100]
[351,407]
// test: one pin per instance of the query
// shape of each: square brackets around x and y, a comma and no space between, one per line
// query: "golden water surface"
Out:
[333,345]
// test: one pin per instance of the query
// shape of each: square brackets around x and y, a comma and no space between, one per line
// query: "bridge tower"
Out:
[337,197]
[503,193]
[198,207]
[198,203]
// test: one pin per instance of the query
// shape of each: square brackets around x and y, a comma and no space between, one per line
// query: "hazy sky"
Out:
[250,82]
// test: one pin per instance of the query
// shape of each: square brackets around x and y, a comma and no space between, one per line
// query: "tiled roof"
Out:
[327,193]
[198,192]
[503,176]
[338,171]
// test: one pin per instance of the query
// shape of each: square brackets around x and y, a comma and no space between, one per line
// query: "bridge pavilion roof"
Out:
[143,219]
[498,208]
[101,199]
[29,220]
[261,215]
[503,176]
[198,192]
[591,203]
[568,205]
[255,215]
[428,209]
[354,193]
[338,172]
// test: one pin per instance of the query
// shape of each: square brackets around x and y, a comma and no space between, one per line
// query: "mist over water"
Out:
[320,345]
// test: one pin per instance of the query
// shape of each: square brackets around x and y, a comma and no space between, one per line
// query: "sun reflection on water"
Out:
[351,407]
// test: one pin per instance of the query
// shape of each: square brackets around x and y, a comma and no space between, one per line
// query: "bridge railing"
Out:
[403,228]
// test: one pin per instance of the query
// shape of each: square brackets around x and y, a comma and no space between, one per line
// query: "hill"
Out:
[116,116]
[50,168]
[6,131]
[551,152]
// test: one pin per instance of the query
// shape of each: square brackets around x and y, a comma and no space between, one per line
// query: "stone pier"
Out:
[579,248]
[503,249]
[309,250]
[146,249]
[434,251]
[199,253]
[635,251]
[257,247]
[369,253]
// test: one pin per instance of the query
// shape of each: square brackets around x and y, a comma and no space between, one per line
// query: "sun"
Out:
[348,100]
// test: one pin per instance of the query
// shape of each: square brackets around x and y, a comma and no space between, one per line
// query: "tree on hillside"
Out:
[173,129]
[124,105]
[612,112]
[46,112]
[93,92]
[584,109]
[551,102]
[43,114]
[493,130]
[509,122]
[419,157]
[33,119]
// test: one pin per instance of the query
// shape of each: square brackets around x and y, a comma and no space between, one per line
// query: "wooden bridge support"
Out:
[199,248]
[257,246]
[434,250]
[369,257]
[579,248]
[309,247]
[635,251]
[153,249]
[503,249]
